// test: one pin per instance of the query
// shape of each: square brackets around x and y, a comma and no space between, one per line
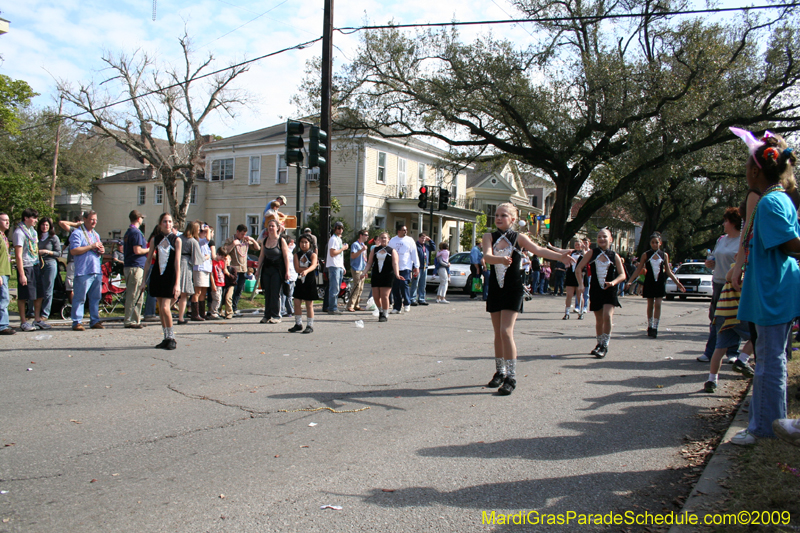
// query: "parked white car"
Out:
[695,277]
[459,273]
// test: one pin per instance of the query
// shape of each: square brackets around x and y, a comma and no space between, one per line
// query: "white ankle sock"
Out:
[743,357]
[713,377]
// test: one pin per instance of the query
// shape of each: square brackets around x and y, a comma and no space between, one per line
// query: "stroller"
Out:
[112,295]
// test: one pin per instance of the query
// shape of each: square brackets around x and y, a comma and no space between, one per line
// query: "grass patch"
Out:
[760,480]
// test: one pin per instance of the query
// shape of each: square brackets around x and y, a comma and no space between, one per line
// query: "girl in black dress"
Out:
[164,258]
[305,289]
[501,250]
[571,281]
[383,267]
[607,273]
[656,262]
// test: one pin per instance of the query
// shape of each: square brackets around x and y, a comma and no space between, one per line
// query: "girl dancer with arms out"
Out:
[164,258]
[502,250]
[383,273]
[655,260]
[571,281]
[607,273]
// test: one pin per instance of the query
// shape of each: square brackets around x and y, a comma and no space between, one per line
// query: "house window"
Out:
[142,195]
[255,170]
[222,227]
[490,209]
[254,225]
[439,177]
[159,194]
[193,195]
[381,167]
[401,173]
[380,222]
[222,170]
[283,171]
[421,173]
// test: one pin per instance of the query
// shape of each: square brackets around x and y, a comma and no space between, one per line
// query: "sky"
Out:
[52,40]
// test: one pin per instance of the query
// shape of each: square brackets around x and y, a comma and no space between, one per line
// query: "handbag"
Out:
[477,284]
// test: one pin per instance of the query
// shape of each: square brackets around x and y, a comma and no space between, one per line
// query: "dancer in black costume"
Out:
[656,262]
[164,259]
[501,250]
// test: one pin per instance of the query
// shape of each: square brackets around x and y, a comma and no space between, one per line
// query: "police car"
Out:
[695,277]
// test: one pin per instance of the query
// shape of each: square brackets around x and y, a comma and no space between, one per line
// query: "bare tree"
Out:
[159,100]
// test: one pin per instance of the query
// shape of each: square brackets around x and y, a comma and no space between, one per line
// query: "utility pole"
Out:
[55,157]
[325,122]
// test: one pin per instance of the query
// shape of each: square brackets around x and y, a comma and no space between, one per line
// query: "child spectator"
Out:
[217,283]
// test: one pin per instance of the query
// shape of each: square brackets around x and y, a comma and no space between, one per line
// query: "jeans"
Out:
[287,305]
[400,292]
[49,271]
[543,285]
[421,285]
[711,343]
[237,290]
[535,280]
[150,305]
[335,275]
[4,301]
[271,280]
[87,289]
[558,282]
[769,383]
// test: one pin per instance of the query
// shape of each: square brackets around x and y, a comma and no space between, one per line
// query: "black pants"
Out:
[237,290]
[271,287]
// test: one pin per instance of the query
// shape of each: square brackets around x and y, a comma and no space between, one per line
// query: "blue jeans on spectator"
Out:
[400,293]
[586,280]
[150,305]
[711,343]
[558,282]
[237,290]
[287,305]
[87,291]
[419,286]
[769,383]
[486,274]
[535,280]
[4,301]
[49,271]
[335,275]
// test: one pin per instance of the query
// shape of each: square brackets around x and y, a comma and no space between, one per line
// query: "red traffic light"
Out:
[423,190]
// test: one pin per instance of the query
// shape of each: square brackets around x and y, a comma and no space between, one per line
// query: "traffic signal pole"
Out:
[325,122]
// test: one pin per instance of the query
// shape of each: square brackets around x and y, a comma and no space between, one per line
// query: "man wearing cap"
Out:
[335,265]
[134,249]
[273,213]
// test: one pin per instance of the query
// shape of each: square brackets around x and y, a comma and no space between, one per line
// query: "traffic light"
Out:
[294,142]
[317,148]
[423,197]
[444,198]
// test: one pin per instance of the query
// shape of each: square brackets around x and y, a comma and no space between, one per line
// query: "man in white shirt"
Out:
[334,262]
[408,265]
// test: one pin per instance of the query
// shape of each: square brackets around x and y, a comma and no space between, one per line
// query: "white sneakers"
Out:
[787,429]
[743,438]
[406,308]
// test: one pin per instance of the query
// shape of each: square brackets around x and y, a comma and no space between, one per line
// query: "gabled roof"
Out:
[129,176]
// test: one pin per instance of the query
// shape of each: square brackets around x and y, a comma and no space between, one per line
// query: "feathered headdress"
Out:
[750,140]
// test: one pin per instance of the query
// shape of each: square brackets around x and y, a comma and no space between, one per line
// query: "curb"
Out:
[707,490]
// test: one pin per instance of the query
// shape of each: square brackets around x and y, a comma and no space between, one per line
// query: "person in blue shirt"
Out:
[771,288]
[87,249]
[419,284]
[135,252]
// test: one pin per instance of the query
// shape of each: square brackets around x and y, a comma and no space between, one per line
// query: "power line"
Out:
[347,30]
[246,23]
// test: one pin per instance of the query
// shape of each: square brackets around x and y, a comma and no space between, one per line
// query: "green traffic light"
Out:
[317,148]
[294,142]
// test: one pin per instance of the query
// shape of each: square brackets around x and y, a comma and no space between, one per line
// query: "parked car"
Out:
[695,277]
[460,277]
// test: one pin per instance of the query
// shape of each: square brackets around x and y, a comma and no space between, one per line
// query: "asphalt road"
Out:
[103,433]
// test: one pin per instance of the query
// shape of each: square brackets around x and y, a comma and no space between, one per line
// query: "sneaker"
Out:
[383,318]
[27,326]
[710,386]
[394,312]
[296,328]
[730,359]
[444,302]
[497,380]
[743,368]
[171,344]
[414,304]
[237,314]
[602,351]
[275,320]
[508,386]
[596,349]
[743,438]
[406,308]
[787,429]
[704,358]
[213,317]
[334,312]
[423,302]
[308,329]
[264,320]
[565,317]
[41,324]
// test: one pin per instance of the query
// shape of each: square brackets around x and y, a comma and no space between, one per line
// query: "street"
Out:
[103,433]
